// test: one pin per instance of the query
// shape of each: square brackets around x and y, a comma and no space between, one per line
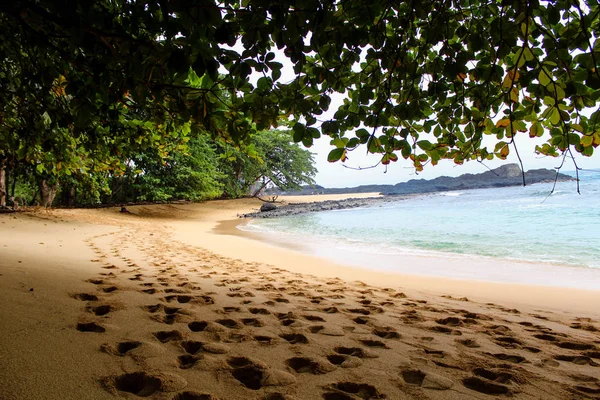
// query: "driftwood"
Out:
[272,199]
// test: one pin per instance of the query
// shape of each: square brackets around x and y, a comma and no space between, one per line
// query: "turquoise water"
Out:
[559,233]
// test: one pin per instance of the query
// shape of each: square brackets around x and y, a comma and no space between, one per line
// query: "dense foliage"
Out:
[208,169]
[88,85]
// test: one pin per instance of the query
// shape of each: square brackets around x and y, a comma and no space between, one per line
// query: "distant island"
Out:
[506,175]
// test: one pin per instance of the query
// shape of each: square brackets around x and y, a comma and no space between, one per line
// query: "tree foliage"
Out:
[84,84]
[270,160]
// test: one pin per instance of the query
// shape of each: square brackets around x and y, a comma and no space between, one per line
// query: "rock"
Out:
[268,207]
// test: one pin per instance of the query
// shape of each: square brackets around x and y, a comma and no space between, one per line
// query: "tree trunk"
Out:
[72,194]
[13,183]
[68,196]
[3,183]
[47,193]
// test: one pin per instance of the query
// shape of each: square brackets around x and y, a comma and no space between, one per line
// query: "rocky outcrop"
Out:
[328,205]
[268,207]
[506,175]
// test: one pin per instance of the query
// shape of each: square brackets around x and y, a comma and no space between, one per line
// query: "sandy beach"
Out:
[174,302]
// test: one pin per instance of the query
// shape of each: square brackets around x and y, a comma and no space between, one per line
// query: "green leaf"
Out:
[587,140]
[336,154]
[536,130]
[554,116]
[425,145]
[544,77]
[264,84]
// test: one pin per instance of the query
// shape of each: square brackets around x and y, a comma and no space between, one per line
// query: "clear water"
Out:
[523,224]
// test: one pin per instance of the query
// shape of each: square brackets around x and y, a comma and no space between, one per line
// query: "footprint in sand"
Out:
[255,375]
[509,357]
[450,321]
[374,343]
[359,311]
[361,390]
[355,352]
[592,354]
[109,289]
[448,331]
[308,365]
[124,347]
[229,323]
[508,342]
[576,345]
[153,308]
[90,327]
[247,372]
[144,384]
[187,361]
[182,299]
[578,360]
[167,336]
[294,338]
[138,383]
[386,333]
[236,338]
[253,322]
[497,375]
[197,326]
[120,349]
[344,361]
[241,294]
[484,386]
[85,297]
[172,290]
[426,380]
[585,327]
[192,346]
[101,310]
[193,396]
[313,318]
[266,340]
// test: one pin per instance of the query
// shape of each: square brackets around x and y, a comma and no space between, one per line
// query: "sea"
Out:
[530,235]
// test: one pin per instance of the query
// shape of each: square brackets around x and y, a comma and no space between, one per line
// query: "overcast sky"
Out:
[336,175]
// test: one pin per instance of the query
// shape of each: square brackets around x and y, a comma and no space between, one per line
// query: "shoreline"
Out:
[166,303]
[532,296]
[538,272]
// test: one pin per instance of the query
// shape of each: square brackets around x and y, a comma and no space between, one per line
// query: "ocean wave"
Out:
[452,194]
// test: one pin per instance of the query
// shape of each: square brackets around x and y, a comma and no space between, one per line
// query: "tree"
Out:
[270,160]
[425,80]
[192,175]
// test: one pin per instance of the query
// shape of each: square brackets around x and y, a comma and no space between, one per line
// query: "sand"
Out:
[172,302]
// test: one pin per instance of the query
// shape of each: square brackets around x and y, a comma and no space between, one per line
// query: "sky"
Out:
[335,175]
[338,174]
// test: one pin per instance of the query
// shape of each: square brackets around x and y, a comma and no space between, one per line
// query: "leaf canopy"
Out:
[425,80]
